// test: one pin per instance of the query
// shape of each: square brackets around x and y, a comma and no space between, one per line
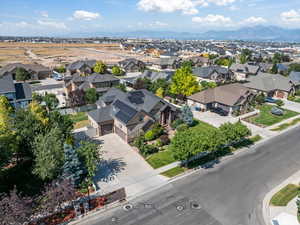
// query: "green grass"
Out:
[174,171]
[80,120]
[266,118]
[160,159]
[285,195]
[286,125]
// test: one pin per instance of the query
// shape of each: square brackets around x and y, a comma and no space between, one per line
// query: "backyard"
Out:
[265,118]
[80,120]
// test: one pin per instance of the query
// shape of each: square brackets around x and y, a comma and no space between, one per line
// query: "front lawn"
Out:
[285,195]
[160,159]
[174,171]
[266,118]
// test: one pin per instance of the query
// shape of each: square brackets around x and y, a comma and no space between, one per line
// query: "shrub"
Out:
[139,141]
[159,143]
[165,140]
[279,103]
[291,98]
[176,123]
[149,135]
[182,127]
[148,149]
[297,93]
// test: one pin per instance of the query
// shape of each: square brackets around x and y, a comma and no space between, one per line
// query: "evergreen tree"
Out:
[72,168]
[187,115]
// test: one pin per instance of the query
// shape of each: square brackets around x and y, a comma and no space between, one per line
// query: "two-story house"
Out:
[217,74]
[18,94]
[130,114]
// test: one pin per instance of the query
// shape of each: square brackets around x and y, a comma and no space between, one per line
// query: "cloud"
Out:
[158,24]
[44,14]
[52,24]
[291,16]
[254,20]
[185,6]
[85,15]
[22,24]
[213,20]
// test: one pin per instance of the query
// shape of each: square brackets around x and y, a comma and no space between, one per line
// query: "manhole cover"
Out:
[127,207]
[114,219]
[179,207]
[195,205]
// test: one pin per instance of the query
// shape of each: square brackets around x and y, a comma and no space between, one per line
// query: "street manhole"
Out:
[127,207]
[180,207]
[114,219]
[195,205]
[148,206]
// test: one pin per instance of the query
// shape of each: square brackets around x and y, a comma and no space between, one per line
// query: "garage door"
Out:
[106,129]
[119,132]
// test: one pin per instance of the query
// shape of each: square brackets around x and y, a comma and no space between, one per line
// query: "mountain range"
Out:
[255,33]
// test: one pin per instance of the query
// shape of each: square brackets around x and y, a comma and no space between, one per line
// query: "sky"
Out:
[75,17]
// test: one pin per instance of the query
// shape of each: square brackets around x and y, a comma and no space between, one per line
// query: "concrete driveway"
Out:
[294,106]
[213,118]
[123,167]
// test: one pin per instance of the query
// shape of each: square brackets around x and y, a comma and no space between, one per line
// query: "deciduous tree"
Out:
[99,67]
[91,96]
[22,74]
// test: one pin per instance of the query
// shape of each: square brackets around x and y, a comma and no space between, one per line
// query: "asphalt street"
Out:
[231,193]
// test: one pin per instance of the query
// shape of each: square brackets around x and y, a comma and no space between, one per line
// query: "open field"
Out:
[52,55]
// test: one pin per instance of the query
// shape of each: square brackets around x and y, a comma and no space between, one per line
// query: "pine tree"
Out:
[187,115]
[72,168]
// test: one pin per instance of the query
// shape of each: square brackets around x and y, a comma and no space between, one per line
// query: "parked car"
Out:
[277,111]
[270,100]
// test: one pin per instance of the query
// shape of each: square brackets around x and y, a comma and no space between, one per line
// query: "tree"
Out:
[76,98]
[260,99]
[90,154]
[234,132]
[187,63]
[55,194]
[91,96]
[196,140]
[51,101]
[160,83]
[5,114]
[62,122]
[160,92]
[72,168]
[245,56]
[60,69]
[15,209]
[38,112]
[206,84]
[274,69]
[99,67]
[294,67]
[184,83]
[37,98]
[116,70]
[122,87]
[142,83]
[22,74]
[187,115]
[48,160]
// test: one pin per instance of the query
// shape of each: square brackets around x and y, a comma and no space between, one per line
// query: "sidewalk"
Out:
[270,212]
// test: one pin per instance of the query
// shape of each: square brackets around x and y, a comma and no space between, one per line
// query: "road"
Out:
[229,194]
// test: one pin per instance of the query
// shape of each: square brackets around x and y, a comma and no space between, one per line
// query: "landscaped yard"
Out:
[286,125]
[80,120]
[266,118]
[285,195]
[174,171]
[160,159]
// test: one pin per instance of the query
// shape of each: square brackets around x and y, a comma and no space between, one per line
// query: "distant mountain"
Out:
[256,33]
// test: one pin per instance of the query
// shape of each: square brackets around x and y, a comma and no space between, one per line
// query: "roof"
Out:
[23,91]
[230,94]
[101,115]
[269,82]
[46,87]
[7,84]
[80,63]
[153,76]
[94,78]
[244,68]
[29,67]
[295,77]
[207,71]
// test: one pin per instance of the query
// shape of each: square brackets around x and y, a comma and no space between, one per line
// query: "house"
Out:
[81,67]
[18,94]
[228,98]
[213,73]
[101,82]
[132,65]
[56,89]
[295,78]
[265,67]
[130,114]
[273,85]
[168,63]
[242,71]
[36,71]
[282,68]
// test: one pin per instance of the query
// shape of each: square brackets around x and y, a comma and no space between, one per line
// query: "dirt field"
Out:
[52,55]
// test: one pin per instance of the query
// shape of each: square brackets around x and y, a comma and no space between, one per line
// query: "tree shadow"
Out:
[108,169]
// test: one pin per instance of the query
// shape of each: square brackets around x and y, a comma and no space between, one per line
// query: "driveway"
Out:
[294,106]
[213,118]
[123,167]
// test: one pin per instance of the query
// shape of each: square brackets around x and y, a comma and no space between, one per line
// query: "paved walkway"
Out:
[271,212]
